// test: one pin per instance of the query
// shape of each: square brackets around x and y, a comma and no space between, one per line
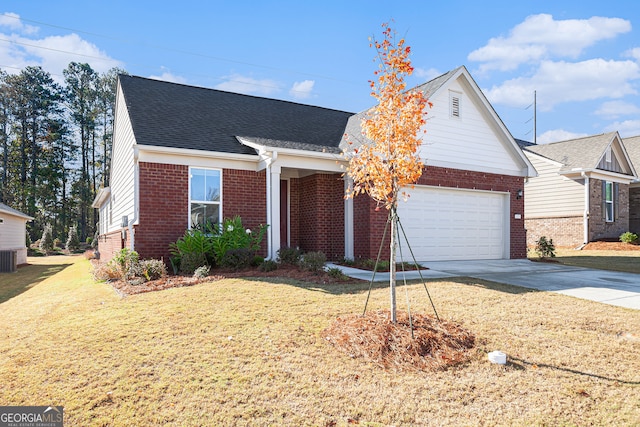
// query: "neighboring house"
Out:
[13,232]
[183,155]
[582,191]
[633,149]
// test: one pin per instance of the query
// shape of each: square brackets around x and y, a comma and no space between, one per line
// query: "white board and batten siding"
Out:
[443,224]
[550,194]
[123,174]
[471,141]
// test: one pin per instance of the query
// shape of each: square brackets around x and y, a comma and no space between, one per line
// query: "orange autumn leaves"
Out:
[389,160]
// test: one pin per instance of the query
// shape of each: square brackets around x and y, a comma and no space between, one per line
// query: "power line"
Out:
[169,49]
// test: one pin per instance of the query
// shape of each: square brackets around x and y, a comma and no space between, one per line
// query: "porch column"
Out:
[348,222]
[273,209]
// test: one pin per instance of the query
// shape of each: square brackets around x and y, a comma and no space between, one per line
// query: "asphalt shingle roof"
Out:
[632,145]
[575,153]
[174,115]
[7,209]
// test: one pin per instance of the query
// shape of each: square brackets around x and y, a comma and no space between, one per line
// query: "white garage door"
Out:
[451,224]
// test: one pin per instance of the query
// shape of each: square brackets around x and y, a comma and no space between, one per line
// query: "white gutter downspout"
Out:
[586,208]
[270,248]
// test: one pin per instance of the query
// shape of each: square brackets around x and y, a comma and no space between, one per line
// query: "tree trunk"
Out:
[392,264]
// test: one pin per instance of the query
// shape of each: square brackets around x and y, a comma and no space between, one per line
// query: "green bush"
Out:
[289,256]
[629,237]
[231,235]
[190,251]
[73,243]
[257,260]
[313,261]
[336,273]
[153,269]
[268,265]
[545,248]
[126,262]
[237,258]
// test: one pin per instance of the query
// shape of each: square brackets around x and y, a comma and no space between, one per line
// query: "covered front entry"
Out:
[454,224]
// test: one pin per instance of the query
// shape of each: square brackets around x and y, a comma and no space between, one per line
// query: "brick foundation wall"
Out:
[566,231]
[321,214]
[369,224]
[109,244]
[634,210]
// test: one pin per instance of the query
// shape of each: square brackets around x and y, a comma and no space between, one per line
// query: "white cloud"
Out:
[426,75]
[556,135]
[168,76]
[626,128]
[633,53]
[558,82]
[541,37]
[302,90]
[615,109]
[249,85]
[12,21]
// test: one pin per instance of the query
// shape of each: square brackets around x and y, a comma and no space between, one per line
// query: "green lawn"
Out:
[249,352]
[626,261]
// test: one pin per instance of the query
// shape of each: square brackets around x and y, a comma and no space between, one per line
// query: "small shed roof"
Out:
[7,210]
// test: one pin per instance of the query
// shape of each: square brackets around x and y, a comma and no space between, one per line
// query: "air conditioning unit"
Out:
[8,261]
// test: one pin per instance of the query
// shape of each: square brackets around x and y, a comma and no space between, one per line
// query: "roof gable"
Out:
[604,151]
[172,115]
[10,211]
[632,145]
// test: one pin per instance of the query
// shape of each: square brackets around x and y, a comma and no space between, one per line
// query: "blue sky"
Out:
[582,58]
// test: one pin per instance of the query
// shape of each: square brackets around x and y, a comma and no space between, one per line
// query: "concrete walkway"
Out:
[609,287]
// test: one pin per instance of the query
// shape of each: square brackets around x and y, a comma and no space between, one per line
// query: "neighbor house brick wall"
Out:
[598,227]
[321,209]
[566,231]
[368,220]
[634,210]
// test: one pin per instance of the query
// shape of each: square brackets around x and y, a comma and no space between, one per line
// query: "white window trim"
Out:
[609,202]
[191,168]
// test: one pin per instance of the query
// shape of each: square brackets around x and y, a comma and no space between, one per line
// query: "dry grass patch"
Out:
[250,352]
[614,256]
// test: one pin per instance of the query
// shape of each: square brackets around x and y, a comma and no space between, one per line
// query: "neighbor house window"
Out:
[608,201]
[205,197]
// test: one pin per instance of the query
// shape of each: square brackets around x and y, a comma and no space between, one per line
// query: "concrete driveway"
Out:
[609,287]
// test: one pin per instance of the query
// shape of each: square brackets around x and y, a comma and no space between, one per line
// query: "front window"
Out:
[205,197]
[608,201]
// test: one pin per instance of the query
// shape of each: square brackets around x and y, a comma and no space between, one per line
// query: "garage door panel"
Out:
[450,224]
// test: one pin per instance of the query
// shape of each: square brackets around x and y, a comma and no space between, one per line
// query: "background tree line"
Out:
[55,143]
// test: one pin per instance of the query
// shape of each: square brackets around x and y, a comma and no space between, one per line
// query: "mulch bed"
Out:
[611,246]
[177,281]
[436,344]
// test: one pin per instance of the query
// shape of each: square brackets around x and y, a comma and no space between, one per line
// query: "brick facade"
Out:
[634,210]
[569,231]
[369,223]
[320,214]
[109,244]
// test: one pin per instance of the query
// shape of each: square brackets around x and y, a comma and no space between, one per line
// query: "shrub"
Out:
[46,243]
[57,243]
[257,260]
[336,273]
[237,258]
[73,243]
[231,235]
[289,256]
[153,269]
[201,272]
[348,262]
[313,261]
[190,251]
[106,271]
[94,242]
[629,237]
[545,248]
[126,263]
[268,265]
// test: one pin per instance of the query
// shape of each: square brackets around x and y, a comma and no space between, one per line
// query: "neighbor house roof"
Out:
[179,116]
[6,209]
[576,153]
[632,145]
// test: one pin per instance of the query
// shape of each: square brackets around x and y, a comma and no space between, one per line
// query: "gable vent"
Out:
[455,106]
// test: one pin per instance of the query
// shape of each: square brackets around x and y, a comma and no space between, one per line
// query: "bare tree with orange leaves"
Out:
[388,160]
